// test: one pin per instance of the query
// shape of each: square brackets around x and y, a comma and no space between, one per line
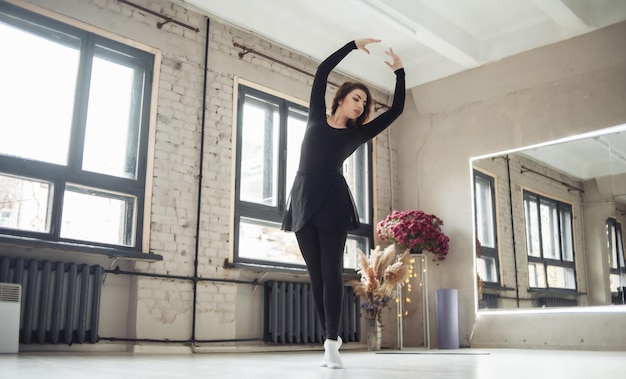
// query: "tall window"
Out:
[486,233]
[74,125]
[550,242]
[270,130]
[615,245]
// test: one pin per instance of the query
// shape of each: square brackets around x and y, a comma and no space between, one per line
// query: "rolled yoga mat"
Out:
[446,301]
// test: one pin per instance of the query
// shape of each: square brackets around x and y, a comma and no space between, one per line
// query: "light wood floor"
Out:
[415,364]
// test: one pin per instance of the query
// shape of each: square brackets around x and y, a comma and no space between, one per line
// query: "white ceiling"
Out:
[600,154]
[434,38]
[586,158]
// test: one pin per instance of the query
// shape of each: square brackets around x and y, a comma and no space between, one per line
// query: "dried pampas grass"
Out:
[380,274]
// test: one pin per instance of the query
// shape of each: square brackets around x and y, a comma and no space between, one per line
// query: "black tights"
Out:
[323,253]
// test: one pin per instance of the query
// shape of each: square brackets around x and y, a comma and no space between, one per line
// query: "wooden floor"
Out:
[392,364]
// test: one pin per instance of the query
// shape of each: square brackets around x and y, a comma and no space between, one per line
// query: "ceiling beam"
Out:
[428,28]
[572,15]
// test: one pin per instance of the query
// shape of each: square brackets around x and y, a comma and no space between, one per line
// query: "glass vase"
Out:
[374,335]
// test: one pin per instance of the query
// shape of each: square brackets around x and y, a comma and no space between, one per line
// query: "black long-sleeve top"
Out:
[320,193]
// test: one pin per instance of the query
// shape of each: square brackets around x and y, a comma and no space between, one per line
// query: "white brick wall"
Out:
[164,306]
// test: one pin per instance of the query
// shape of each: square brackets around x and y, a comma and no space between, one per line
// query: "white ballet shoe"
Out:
[332,359]
[324,362]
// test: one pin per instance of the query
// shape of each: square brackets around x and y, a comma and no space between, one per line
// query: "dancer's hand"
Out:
[396,62]
[361,43]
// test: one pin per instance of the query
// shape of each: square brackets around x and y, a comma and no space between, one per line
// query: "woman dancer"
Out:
[321,210]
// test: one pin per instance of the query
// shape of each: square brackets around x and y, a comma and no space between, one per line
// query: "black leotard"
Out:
[320,193]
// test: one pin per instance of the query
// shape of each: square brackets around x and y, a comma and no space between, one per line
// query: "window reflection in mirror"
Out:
[484,201]
[617,266]
[548,223]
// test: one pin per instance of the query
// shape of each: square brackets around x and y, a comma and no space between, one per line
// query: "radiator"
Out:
[60,301]
[556,302]
[489,301]
[290,316]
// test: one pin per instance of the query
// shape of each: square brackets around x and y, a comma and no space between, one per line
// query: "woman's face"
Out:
[353,104]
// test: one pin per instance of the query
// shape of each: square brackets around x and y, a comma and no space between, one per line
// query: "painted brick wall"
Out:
[159,308]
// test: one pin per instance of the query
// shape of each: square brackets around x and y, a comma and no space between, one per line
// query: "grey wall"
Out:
[552,92]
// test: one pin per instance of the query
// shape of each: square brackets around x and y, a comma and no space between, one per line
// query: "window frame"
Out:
[72,174]
[274,214]
[486,251]
[541,260]
[615,238]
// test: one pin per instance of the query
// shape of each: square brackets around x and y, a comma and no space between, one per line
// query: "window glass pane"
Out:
[549,224]
[354,244]
[486,267]
[532,226]
[567,239]
[111,135]
[98,216]
[536,275]
[25,204]
[610,235]
[614,282]
[259,152]
[355,172]
[296,126]
[620,247]
[264,241]
[38,77]
[561,277]
[485,228]
[5,219]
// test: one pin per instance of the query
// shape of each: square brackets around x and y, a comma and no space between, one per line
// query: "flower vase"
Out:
[374,335]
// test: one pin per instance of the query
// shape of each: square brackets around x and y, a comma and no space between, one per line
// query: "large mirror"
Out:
[549,223]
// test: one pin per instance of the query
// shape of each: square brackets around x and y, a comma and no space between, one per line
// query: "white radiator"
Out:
[10,303]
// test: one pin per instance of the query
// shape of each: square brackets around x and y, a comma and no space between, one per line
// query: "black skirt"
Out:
[322,198]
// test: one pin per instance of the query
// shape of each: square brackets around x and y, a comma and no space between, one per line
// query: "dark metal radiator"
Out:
[290,316]
[60,301]
[556,302]
[489,301]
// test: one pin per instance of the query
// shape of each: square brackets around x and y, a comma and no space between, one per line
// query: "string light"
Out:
[409,287]
[401,305]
